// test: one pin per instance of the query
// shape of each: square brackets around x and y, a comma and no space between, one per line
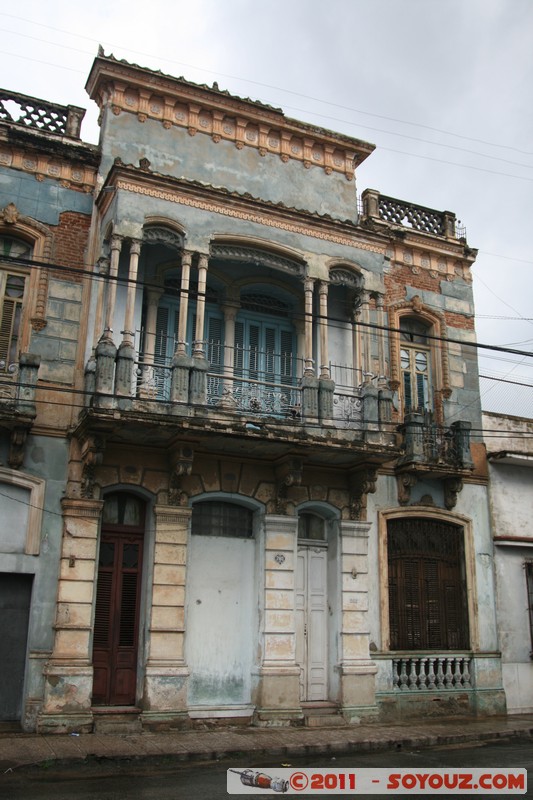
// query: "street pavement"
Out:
[19,750]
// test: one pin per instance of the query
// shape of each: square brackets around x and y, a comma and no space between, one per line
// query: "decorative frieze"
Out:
[268,218]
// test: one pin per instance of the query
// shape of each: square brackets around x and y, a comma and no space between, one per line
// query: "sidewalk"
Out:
[20,749]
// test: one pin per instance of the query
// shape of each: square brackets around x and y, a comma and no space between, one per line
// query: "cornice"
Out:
[230,204]
[66,166]
[208,111]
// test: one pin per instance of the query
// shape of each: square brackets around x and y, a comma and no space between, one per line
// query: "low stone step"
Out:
[322,720]
[117,723]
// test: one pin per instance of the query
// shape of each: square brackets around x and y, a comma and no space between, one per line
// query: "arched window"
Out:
[415,363]
[13,291]
[427,585]
[219,518]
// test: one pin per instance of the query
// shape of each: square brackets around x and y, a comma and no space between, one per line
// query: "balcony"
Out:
[234,393]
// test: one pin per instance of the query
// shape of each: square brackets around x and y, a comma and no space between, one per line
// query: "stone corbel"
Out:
[405,482]
[92,455]
[288,473]
[181,459]
[452,487]
[362,483]
[17,446]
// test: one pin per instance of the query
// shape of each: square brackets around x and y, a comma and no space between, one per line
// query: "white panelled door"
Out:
[311,622]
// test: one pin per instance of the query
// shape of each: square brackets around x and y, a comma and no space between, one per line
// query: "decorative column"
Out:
[326,385]
[116,246]
[357,670]
[382,367]
[366,337]
[357,362]
[186,259]
[308,358]
[69,672]
[278,696]
[102,271]
[181,362]
[228,385]
[106,349]
[309,379]
[200,366]
[126,350]
[199,341]
[148,386]
[166,673]
[323,327]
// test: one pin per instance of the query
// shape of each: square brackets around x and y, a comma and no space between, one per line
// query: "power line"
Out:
[274,87]
[140,282]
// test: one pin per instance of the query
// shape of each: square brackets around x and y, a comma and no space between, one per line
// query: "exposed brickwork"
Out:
[71,240]
[401,276]
[459,321]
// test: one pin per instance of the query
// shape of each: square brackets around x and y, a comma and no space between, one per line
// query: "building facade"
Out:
[510,455]
[272,494]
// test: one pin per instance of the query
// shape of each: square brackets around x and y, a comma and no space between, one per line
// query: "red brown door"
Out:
[116,624]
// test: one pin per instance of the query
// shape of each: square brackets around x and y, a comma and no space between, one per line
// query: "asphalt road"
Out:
[167,779]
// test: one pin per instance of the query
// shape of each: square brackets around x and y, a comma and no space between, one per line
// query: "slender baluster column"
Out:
[309,363]
[200,366]
[323,327]
[309,380]
[126,350]
[116,247]
[186,259]
[106,350]
[199,340]
[148,387]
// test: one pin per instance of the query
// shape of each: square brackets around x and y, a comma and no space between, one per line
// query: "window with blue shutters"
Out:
[166,341]
[264,364]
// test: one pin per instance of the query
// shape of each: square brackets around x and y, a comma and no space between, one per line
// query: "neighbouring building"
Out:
[509,442]
[244,473]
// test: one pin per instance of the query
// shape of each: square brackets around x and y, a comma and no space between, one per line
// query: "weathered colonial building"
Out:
[249,464]
[509,442]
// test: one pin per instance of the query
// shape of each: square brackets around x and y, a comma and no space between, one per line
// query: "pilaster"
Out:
[357,670]
[278,691]
[166,673]
[69,672]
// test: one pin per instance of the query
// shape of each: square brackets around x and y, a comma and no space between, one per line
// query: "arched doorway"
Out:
[221,619]
[116,619]
[312,650]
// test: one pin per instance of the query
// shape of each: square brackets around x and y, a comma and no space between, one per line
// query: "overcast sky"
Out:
[442,87]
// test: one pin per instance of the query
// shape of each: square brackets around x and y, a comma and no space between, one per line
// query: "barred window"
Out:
[216,518]
[427,585]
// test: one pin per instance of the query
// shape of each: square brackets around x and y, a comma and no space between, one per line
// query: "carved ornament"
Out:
[268,219]
[405,482]
[362,483]
[452,487]
[288,473]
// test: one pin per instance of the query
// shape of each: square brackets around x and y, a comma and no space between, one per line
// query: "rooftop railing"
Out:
[40,115]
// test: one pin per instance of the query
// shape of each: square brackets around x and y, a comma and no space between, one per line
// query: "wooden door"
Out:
[311,622]
[116,624]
